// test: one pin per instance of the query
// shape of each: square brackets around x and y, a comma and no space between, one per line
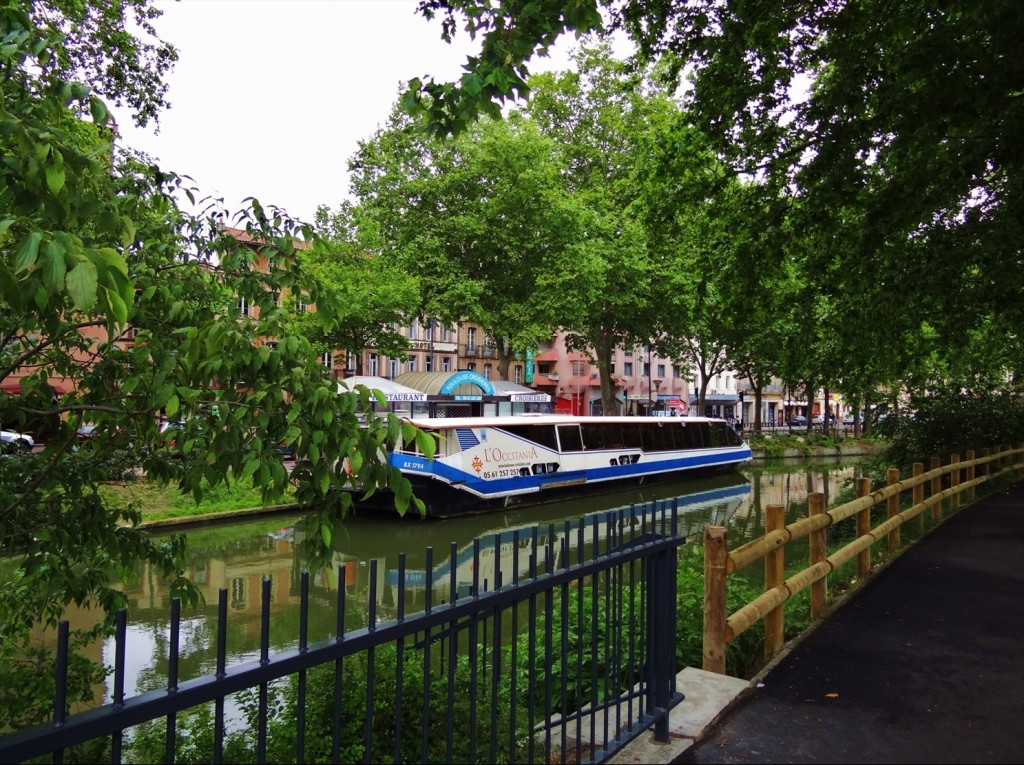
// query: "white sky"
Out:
[270,97]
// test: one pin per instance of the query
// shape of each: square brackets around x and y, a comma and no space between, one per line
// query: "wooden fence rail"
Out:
[719,562]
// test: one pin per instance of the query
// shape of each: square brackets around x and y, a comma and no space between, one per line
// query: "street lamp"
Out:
[649,397]
[657,387]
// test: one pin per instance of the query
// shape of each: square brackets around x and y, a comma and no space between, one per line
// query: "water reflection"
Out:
[239,556]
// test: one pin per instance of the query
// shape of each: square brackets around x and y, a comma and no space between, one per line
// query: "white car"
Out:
[11,440]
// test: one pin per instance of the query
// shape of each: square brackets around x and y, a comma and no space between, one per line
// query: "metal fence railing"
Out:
[565,655]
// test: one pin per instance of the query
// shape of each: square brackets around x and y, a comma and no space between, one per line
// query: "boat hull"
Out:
[485,464]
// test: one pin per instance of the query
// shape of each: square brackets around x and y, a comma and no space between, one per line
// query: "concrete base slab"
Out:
[708,695]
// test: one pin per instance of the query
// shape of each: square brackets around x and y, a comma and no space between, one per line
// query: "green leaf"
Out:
[171,407]
[81,283]
[55,177]
[54,269]
[325,532]
[117,307]
[28,251]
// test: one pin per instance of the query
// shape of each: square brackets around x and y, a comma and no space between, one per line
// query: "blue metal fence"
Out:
[566,657]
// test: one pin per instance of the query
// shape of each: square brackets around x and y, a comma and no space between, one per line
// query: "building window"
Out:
[470,339]
[578,368]
[517,375]
[661,371]
[374,363]
[300,306]
[487,371]
[394,368]
[446,364]
[414,330]
[428,363]
[243,306]
[627,369]
[471,366]
[238,593]
[411,366]
[327,360]
[446,334]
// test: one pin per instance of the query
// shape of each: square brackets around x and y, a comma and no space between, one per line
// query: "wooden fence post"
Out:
[936,488]
[817,545]
[970,474]
[919,494]
[774,575]
[863,527]
[954,482]
[892,476]
[715,556]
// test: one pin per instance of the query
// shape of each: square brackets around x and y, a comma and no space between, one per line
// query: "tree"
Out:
[119,307]
[485,221]
[602,116]
[895,126]
[374,298]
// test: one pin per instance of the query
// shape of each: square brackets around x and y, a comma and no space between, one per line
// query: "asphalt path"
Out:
[924,664]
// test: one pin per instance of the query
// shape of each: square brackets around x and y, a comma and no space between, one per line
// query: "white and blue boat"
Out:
[487,463]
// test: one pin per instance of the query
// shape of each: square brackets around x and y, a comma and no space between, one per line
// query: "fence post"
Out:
[892,476]
[774,575]
[936,488]
[715,558]
[863,527]
[919,494]
[954,482]
[661,616]
[817,549]
[970,474]
[986,469]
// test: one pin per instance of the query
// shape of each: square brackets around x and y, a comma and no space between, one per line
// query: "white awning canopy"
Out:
[392,391]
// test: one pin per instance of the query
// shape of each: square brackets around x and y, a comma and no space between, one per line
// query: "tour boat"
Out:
[487,463]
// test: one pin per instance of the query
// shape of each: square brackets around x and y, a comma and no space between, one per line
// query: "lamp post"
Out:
[430,338]
[649,398]
[657,388]
[740,418]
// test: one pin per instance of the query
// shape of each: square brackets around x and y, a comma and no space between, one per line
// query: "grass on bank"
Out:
[157,502]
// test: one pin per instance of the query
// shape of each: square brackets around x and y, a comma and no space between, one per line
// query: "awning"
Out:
[549,355]
[517,392]
[574,383]
[718,398]
[462,382]
[543,381]
[392,390]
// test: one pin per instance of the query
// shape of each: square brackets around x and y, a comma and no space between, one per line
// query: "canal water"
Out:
[238,555]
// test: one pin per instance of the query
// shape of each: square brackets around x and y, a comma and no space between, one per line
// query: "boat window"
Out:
[543,435]
[694,437]
[597,435]
[570,438]
[732,438]
[717,433]
[654,439]
[631,437]
[673,436]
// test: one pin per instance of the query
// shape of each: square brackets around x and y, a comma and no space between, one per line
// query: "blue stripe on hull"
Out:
[424,473]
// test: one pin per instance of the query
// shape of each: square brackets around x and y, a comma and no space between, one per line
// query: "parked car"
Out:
[798,421]
[13,441]
[86,431]
[285,450]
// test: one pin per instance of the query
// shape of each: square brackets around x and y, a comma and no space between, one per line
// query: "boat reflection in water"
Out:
[237,557]
[496,556]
